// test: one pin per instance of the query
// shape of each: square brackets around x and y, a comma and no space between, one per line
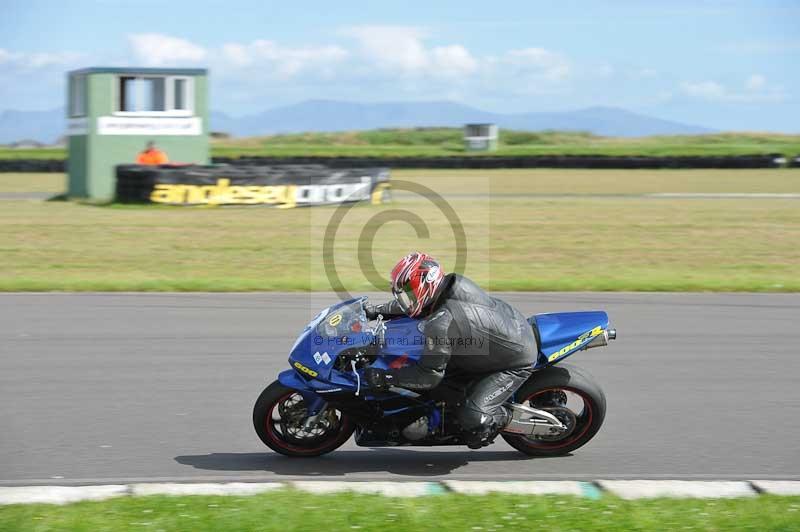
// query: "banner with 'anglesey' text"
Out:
[283,186]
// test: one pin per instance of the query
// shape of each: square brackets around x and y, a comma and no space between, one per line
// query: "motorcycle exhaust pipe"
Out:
[598,341]
[602,339]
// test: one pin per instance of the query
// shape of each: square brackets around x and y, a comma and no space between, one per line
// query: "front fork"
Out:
[313,419]
[315,405]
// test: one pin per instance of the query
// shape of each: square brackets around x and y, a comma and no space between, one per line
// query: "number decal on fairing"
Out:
[597,331]
[307,371]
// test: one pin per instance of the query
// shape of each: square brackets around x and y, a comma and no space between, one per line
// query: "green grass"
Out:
[33,153]
[609,182]
[448,141]
[536,181]
[438,142]
[292,510]
[33,182]
[514,243]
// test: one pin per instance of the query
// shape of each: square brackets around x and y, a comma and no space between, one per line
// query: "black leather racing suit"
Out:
[468,330]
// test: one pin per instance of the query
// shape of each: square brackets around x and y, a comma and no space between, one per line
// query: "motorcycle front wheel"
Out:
[279,419]
[570,394]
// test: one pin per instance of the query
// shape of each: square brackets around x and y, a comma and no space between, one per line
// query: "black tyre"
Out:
[572,395]
[279,415]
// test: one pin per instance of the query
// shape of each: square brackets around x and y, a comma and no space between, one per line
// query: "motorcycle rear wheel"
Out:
[278,417]
[551,389]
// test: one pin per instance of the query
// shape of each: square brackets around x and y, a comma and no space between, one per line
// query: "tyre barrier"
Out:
[772,160]
[33,165]
[278,185]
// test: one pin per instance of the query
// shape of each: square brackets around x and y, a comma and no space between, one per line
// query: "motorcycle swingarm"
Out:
[529,421]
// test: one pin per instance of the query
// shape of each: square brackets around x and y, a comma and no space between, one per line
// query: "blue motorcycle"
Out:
[317,405]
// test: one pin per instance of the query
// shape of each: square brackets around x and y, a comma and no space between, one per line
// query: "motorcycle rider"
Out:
[465,329]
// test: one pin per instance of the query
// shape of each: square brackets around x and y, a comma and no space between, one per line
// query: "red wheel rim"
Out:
[584,420]
[276,437]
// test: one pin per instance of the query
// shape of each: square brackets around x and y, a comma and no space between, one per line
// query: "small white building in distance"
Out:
[480,137]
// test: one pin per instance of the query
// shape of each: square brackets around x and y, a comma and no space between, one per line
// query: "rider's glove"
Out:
[378,378]
[371,311]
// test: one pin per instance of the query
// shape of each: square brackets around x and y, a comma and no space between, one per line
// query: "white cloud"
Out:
[453,60]
[37,60]
[283,61]
[756,82]
[237,54]
[392,47]
[156,49]
[392,61]
[709,90]
[539,62]
[755,88]
[35,80]
[401,51]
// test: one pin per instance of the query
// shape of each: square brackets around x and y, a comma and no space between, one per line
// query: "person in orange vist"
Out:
[152,155]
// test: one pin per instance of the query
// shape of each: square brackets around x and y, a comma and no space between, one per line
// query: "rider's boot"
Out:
[485,435]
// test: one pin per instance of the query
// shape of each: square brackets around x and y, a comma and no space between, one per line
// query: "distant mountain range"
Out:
[328,115]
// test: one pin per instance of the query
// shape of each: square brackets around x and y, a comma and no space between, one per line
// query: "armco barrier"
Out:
[468,162]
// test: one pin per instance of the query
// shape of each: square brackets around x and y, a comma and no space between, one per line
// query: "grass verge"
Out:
[443,142]
[515,241]
[54,183]
[525,244]
[292,510]
[535,181]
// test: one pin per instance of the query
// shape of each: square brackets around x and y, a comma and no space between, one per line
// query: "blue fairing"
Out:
[291,379]
[313,400]
[317,352]
[314,354]
[344,326]
[559,330]
[404,344]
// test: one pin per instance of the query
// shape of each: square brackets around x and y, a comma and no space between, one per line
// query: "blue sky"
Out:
[723,64]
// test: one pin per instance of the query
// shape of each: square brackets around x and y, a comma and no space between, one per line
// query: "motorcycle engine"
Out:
[417,429]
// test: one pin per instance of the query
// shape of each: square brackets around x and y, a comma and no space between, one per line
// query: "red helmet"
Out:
[415,280]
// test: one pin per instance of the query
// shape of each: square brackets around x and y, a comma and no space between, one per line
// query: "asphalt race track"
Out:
[128,387]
